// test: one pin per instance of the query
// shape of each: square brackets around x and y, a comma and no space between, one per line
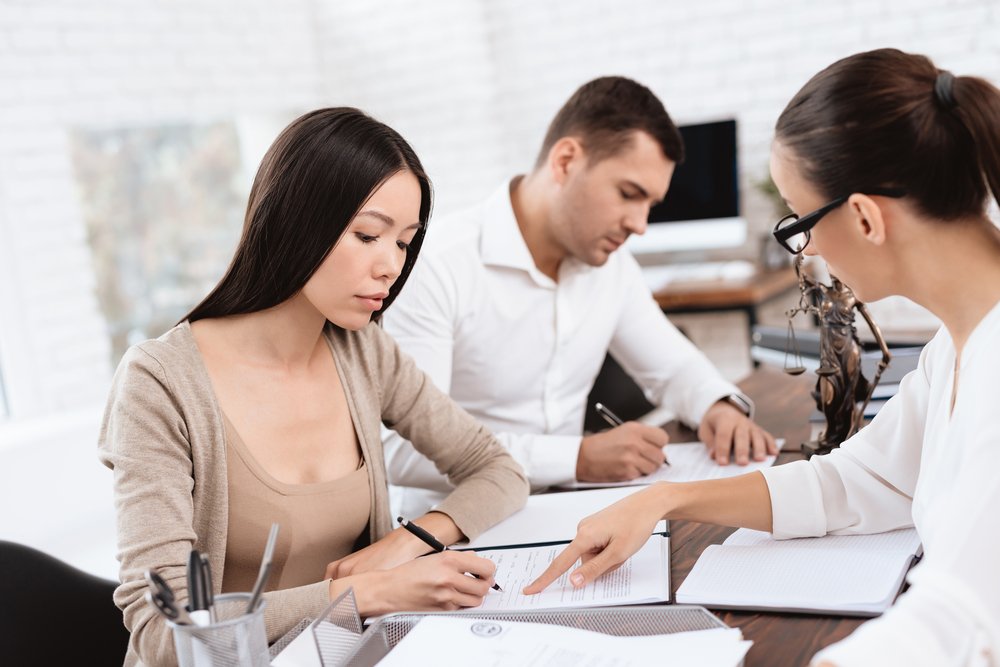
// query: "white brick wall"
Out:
[101,64]
[472,84]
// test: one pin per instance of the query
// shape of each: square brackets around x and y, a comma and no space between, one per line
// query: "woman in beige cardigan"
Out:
[264,405]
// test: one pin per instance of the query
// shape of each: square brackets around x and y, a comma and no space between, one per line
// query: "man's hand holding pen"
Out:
[624,452]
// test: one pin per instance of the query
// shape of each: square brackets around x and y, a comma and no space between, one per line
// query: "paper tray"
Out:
[385,633]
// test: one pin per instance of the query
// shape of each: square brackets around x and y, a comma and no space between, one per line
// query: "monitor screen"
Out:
[705,185]
[702,206]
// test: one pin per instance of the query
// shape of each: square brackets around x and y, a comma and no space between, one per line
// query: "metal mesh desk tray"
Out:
[382,636]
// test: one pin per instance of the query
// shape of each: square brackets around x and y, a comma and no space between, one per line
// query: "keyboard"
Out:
[658,277]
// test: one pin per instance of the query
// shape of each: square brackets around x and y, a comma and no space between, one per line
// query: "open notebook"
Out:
[853,575]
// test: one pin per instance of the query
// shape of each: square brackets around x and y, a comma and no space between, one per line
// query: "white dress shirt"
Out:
[919,464]
[520,351]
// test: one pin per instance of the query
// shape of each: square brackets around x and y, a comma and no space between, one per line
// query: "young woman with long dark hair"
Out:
[264,405]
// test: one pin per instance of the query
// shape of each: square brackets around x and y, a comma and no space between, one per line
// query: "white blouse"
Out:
[923,464]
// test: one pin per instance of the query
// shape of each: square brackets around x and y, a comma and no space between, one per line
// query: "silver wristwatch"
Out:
[740,403]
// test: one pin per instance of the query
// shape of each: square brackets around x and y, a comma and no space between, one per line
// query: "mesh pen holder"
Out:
[234,639]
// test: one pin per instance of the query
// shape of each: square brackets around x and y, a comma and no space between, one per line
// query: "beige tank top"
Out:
[319,522]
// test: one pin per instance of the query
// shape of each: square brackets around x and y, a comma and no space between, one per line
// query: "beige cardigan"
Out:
[163,437]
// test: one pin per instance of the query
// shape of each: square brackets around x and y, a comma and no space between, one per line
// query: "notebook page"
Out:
[904,539]
[689,462]
[645,577]
[551,517]
[762,577]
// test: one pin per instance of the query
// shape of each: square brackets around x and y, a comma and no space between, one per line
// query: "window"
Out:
[163,208]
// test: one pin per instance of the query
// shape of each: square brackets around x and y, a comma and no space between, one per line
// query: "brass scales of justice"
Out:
[842,392]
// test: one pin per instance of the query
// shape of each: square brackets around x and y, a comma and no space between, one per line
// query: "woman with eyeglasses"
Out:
[890,164]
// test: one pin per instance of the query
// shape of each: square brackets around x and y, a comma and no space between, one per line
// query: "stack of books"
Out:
[768,346]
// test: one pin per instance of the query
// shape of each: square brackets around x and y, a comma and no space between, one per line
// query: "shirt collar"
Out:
[502,243]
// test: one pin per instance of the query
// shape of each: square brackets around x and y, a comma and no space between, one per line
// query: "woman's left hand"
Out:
[396,548]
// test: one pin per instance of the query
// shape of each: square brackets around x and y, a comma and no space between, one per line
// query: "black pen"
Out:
[196,590]
[433,542]
[615,420]
[206,585]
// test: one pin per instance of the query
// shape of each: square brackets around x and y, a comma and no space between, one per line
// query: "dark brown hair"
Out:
[874,119]
[313,180]
[604,113]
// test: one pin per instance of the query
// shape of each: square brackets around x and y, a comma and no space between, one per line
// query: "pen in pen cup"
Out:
[206,580]
[614,420]
[197,601]
[265,568]
[433,542]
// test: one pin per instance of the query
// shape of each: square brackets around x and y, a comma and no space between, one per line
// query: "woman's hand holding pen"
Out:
[438,582]
[394,549]
[621,453]
[606,539]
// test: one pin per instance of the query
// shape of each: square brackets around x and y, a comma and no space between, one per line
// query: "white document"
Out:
[850,574]
[552,517]
[645,577]
[454,641]
[689,462]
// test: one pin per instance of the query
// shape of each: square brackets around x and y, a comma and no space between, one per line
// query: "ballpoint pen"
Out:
[265,569]
[433,542]
[206,581]
[197,606]
[615,420]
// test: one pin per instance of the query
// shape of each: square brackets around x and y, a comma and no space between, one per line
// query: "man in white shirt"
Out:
[515,302]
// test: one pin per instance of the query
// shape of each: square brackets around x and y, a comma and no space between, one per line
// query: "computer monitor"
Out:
[702,208]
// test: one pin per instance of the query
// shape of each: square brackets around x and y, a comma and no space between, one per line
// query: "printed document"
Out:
[645,577]
[454,641]
[689,462]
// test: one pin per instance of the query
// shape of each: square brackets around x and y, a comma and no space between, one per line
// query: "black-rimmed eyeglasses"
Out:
[793,232]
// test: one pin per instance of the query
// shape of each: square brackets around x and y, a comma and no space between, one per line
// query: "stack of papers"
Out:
[455,641]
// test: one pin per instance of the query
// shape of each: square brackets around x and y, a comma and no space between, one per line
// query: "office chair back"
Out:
[54,614]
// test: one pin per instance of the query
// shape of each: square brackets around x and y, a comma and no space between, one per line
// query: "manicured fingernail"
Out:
[576,579]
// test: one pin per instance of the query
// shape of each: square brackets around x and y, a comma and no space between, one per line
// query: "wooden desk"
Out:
[783,407]
[744,294]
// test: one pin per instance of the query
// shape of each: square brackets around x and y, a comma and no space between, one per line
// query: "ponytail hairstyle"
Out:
[313,180]
[889,119]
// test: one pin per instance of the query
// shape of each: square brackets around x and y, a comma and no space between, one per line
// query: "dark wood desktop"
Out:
[783,407]
[741,294]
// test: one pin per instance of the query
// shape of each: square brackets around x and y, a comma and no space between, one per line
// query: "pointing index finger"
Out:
[562,562]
